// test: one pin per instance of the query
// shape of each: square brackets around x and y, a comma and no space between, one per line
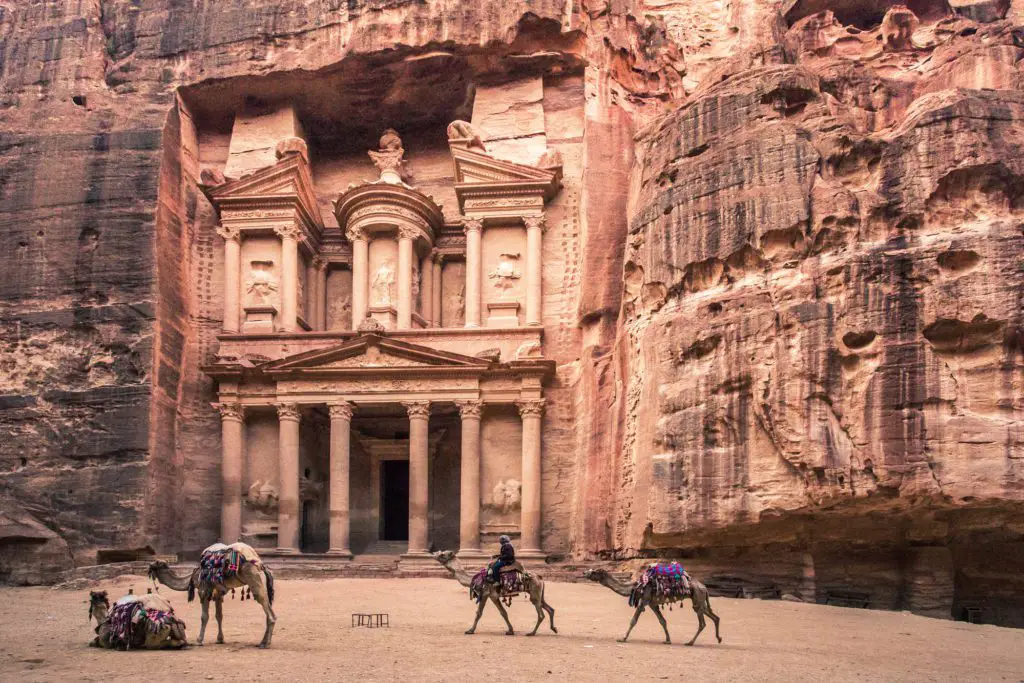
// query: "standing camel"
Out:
[251,573]
[482,590]
[648,597]
[135,622]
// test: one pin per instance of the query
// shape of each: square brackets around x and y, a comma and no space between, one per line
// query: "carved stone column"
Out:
[405,256]
[534,263]
[289,275]
[474,270]
[341,423]
[232,439]
[360,275]
[232,276]
[311,294]
[469,499]
[427,289]
[435,300]
[288,498]
[321,293]
[531,411]
[419,424]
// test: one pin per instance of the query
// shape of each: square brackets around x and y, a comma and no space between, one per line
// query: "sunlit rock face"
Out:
[783,284]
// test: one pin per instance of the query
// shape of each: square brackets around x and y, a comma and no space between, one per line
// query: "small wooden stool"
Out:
[381,620]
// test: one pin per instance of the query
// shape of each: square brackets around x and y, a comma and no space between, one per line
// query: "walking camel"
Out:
[648,596]
[135,622]
[482,591]
[250,573]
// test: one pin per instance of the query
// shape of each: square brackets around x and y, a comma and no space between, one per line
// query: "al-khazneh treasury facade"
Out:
[419,424]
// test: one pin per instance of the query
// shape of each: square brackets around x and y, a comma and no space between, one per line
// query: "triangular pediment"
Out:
[472,167]
[373,351]
[289,178]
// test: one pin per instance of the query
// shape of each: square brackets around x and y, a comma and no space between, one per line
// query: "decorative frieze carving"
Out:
[531,407]
[417,409]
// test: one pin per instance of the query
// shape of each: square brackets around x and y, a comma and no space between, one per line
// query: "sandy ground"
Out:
[43,636]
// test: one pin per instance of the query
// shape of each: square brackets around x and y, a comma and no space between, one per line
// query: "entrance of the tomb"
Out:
[394,500]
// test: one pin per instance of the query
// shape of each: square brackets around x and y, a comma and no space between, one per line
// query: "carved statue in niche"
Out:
[384,284]
[300,292]
[262,497]
[416,285]
[506,496]
[505,273]
[261,287]
[341,311]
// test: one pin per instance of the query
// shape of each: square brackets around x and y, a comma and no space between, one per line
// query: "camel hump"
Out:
[245,550]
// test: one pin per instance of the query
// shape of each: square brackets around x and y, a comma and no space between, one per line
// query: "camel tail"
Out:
[192,590]
[270,585]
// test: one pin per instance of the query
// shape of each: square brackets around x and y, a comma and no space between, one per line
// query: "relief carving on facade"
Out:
[506,496]
[391,155]
[383,289]
[261,286]
[505,273]
[463,134]
[262,497]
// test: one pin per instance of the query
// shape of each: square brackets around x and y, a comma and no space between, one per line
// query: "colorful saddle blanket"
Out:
[218,565]
[511,583]
[130,621]
[666,580]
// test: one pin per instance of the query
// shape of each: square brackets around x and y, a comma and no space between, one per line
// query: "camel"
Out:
[533,585]
[144,634]
[698,593]
[251,573]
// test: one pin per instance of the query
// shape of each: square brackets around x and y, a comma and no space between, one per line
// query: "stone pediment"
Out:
[288,181]
[479,176]
[373,351]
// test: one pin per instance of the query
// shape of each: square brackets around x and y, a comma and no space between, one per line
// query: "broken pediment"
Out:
[373,351]
[487,185]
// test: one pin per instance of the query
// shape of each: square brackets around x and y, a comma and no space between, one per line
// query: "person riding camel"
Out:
[505,558]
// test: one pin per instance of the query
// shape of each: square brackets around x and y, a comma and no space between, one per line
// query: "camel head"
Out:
[99,605]
[156,568]
[444,556]
[594,574]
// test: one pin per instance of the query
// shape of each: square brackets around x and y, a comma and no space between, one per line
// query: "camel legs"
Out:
[551,614]
[260,593]
[632,623]
[664,625]
[700,627]
[504,615]
[479,612]
[204,603]
[219,604]
[714,618]
[540,614]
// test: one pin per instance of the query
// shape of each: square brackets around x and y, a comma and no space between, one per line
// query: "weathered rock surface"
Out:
[792,338]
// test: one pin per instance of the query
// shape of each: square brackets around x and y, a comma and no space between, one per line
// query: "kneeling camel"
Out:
[134,628]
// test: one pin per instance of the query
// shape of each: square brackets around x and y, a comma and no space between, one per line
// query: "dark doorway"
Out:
[394,503]
[306,530]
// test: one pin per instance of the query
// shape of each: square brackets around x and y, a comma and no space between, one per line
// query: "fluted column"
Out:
[360,276]
[427,289]
[232,276]
[405,256]
[289,275]
[469,499]
[419,423]
[474,270]
[531,410]
[288,488]
[321,293]
[341,423]
[534,262]
[435,299]
[232,438]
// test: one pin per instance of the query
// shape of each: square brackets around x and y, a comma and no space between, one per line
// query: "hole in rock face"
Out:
[952,335]
[959,261]
[842,480]
[868,465]
[79,100]
[859,340]
[24,461]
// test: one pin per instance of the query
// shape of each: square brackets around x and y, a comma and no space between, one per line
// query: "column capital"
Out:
[353,234]
[318,262]
[417,409]
[529,407]
[288,232]
[229,233]
[470,409]
[472,225]
[230,411]
[340,411]
[407,232]
[287,411]
[436,256]
[535,221]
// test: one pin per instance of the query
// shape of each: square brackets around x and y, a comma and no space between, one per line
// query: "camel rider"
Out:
[506,558]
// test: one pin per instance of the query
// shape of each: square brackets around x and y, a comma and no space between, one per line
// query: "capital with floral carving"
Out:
[535,221]
[472,225]
[288,232]
[340,411]
[407,232]
[417,409]
[230,411]
[319,262]
[353,234]
[531,407]
[287,411]
[470,409]
[229,232]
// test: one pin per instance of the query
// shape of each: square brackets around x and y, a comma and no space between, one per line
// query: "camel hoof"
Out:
[220,641]
[263,646]
[531,634]
[554,629]
[621,640]
[667,642]
[470,632]
[719,639]
[690,644]
[510,633]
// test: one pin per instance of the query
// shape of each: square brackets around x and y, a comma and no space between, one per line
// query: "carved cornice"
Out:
[340,411]
[417,409]
[230,411]
[229,232]
[531,407]
[287,411]
[470,409]
[381,203]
